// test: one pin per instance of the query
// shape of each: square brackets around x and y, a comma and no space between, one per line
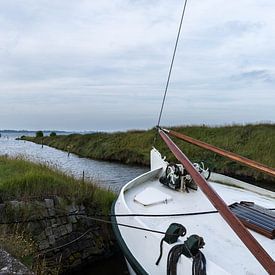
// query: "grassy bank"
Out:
[23,188]
[256,142]
[23,180]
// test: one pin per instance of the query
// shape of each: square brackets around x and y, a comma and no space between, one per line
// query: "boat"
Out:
[146,203]
[179,218]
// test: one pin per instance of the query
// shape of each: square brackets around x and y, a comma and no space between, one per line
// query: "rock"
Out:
[52,231]
[49,203]
[69,227]
[48,231]
[72,219]
[56,232]
[9,265]
[51,212]
[41,236]
[51,240]
[64,220]
[63,230]
[44,245]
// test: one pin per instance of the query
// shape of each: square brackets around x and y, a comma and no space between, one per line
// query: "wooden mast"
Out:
[251,243]
[224,153]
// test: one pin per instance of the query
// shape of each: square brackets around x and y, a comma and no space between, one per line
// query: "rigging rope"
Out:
[172,63]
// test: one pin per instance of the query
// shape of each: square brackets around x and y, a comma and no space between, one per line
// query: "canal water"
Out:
[109,175]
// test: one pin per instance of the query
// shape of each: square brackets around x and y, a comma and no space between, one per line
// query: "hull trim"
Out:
[126,252]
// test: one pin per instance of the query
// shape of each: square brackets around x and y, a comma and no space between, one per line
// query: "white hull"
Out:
[224,252]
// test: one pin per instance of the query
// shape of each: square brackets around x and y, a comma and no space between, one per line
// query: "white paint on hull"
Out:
[224,252]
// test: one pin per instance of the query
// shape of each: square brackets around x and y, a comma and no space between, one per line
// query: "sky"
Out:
[103,65]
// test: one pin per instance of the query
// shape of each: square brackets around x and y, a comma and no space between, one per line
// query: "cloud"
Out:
[104,64]
[255,76]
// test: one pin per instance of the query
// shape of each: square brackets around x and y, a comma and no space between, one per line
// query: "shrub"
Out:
[39,134]
[53,134]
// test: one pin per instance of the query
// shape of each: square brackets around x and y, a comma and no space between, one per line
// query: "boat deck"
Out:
[222,246]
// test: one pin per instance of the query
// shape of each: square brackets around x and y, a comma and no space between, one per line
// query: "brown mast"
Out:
[251,243]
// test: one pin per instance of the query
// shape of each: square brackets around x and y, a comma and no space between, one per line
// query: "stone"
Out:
[69,227]
[49,203]
[51,240]
[63,230]
[44,245]
[58,221]
[48,231]
[53,222]
[72,219]
[56,232]
[44,213]
[10,265]
[51,212]
[41,236]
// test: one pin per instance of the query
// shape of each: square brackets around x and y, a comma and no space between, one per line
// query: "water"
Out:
[109,175]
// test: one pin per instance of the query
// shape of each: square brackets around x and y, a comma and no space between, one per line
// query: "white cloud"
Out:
[107,61]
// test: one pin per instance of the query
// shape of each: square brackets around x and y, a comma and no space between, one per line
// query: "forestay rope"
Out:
[172,63]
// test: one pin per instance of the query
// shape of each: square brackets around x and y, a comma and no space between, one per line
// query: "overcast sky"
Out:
[102,65]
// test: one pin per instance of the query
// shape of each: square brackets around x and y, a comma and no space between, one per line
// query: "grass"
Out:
[256,142]
[21,180]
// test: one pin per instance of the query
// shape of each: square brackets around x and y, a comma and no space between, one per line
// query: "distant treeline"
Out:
[256,142]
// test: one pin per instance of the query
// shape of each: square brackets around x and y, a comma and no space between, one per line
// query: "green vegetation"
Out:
[52,134]
[21,179]
[256,142]
[39,134]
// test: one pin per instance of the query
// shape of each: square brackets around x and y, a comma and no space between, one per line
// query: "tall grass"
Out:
[256,142]
[21,180]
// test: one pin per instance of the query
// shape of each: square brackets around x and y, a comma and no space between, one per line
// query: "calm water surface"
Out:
[107,174]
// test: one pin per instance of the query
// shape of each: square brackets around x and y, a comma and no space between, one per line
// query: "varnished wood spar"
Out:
[251,243]
[248,162]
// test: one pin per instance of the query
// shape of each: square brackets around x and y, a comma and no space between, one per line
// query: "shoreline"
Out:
[256,142]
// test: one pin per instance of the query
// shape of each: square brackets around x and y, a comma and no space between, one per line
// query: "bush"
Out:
[53,134]
[39,134]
